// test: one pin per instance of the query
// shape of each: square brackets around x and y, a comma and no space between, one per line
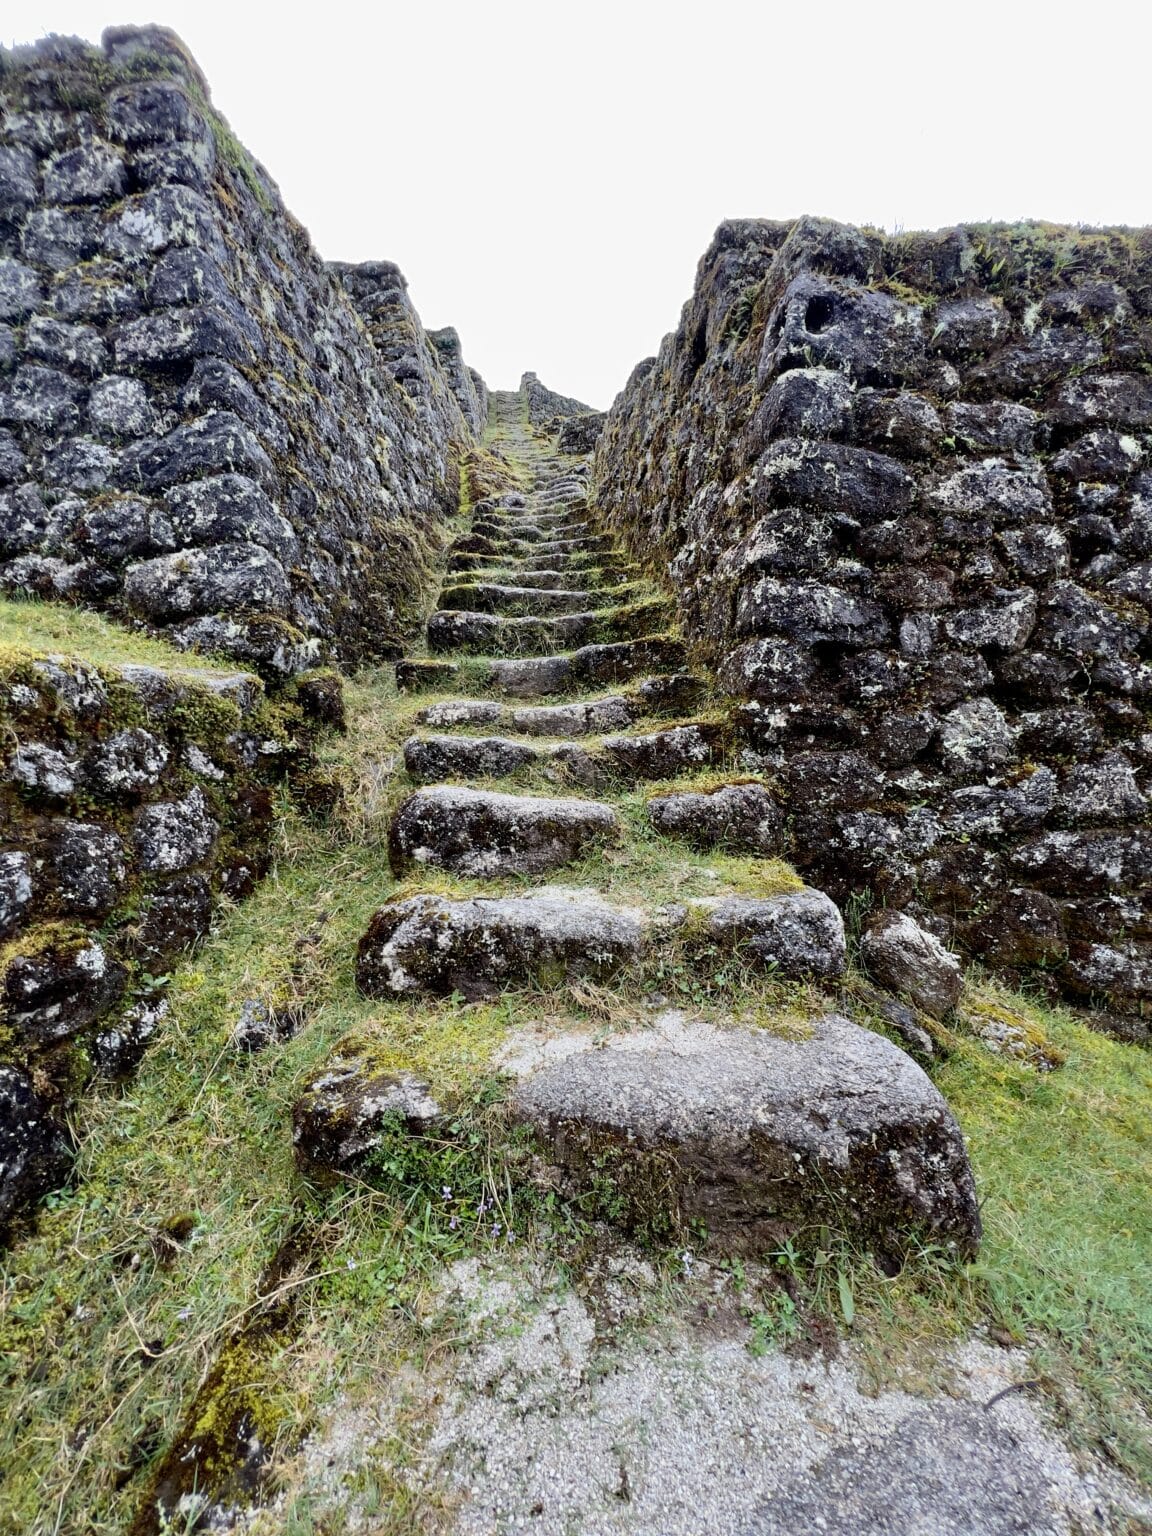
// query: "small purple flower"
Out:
[510,1236]
[495,1229]
[453,1224]
[446,1192]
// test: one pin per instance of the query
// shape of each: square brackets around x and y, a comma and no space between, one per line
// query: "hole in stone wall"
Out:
[820,314]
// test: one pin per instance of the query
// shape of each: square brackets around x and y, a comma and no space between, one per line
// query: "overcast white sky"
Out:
[547,175]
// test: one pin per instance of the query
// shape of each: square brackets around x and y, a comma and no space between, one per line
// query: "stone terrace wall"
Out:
[130,799]
[901,489]
[195,428]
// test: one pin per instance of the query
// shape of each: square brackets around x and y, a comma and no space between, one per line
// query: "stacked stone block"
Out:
[901,488]
[195,427]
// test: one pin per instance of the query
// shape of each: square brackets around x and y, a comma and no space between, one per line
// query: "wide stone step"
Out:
[520,602]
[482,834]
[525,531]
[430,759]
[498,534]
[749,1137]
[591,718]
[629,759]
[490,634]
[614,713]
[434,944]
[486,634]
[600,575]
[590,666]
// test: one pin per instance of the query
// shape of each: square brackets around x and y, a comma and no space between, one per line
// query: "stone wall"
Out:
[131,798]
[427,365]
[901,489]
[196,430]
[547,409]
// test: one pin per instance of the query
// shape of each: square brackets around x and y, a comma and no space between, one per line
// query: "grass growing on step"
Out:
[30,625]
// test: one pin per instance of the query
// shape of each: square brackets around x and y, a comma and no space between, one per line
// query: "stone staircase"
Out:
[563,670]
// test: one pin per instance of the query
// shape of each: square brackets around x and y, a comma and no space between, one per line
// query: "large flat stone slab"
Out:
[481,834]
[755,1136]
[475,947]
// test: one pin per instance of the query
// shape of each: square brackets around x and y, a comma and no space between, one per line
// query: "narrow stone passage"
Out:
[569,688]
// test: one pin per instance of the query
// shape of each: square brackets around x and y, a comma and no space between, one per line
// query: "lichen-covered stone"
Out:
[171,835]
[341,1117]
[484,834]
[744,818]
[438,945]
[57,984]
[907,959]
[35,1149]
[428,759]
[749,1136]
[797,934]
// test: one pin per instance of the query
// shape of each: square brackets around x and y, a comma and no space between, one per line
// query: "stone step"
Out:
[798,933]
[664,754]
[506,518]
[508,501]
[672,693]
[431,759]
[510,601]
[742,818]
[753,1135]
[631,759]
[526,531]
[415,673]
[589,667]
[597,577]
[434,944]
[482,834]
[492,635]
[592,718]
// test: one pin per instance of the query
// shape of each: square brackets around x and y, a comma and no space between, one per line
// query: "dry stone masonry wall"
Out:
[901,488]
[131,799]
[196,430]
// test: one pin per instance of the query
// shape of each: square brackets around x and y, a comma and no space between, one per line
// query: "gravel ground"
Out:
[543,1430]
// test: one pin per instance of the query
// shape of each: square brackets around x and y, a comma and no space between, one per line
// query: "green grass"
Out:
[32,626]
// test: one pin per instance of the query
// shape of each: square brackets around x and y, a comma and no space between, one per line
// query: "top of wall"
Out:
[196,428]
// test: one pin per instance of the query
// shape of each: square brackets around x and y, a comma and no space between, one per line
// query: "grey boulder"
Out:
[908,959]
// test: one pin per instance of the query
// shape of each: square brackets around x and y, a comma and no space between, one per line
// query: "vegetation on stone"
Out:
[736,930]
